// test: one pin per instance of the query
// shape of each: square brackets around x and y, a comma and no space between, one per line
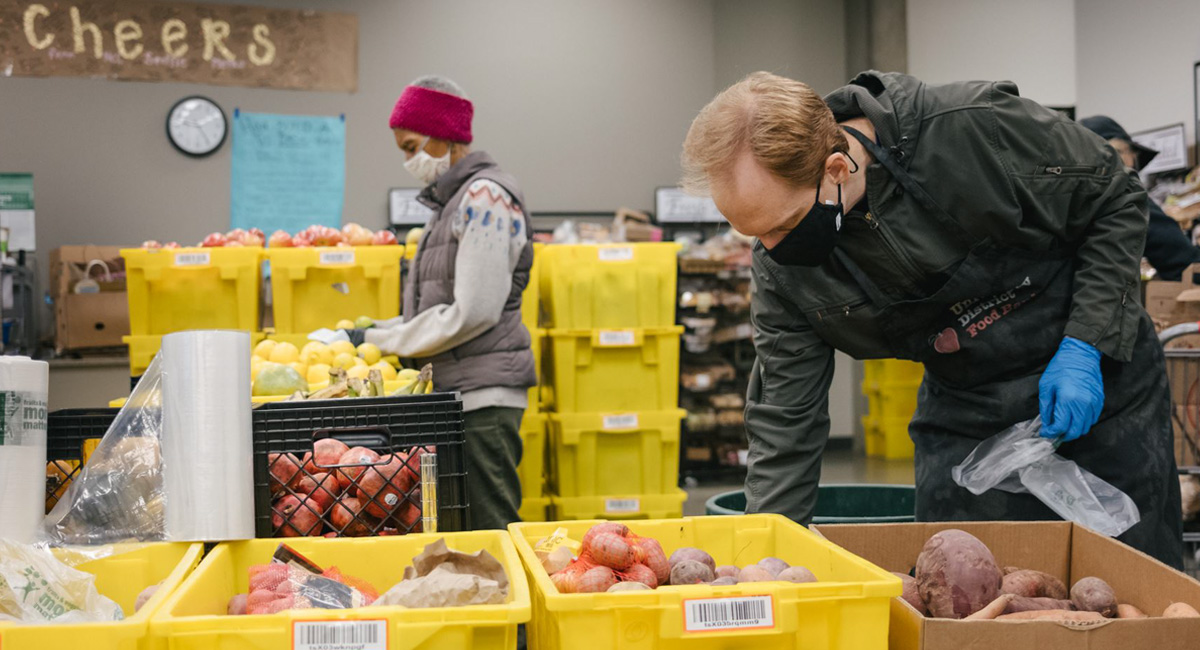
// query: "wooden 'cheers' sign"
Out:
[166,41]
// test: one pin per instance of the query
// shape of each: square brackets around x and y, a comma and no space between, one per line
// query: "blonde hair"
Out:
[785,123]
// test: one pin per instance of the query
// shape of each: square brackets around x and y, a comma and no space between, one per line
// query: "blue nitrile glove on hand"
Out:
[1071,391]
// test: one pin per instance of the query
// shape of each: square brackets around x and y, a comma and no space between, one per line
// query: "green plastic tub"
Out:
[840,504]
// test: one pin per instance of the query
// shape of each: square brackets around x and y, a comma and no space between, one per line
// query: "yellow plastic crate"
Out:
[194,617]
[534,509]
[530,298]
[121,577]
[887,437]
[532,469]
[313,288]
[847,610]
[879,373]
[588,286]
[143,348]
[614,453]
[620,506]
[192,289]
[618,370]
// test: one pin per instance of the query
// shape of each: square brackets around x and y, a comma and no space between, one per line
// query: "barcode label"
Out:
[612,338]
[618,254]
[336,257]
[192,259]
[623,421]
[339,635]
[746,612]
[622,505]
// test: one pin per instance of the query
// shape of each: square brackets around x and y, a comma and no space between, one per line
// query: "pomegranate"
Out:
[383,487]
[285,471]
[408,517]
[326,453]
[294,516]
[348,518]
[358,458]
[322,488]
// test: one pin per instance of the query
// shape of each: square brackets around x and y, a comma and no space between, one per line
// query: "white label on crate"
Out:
[615,338]
[339,635]
[743,456]
[192,259]
[703,381]
[618,254]
[328,258]
[614,506]
[742,613]
[623,421]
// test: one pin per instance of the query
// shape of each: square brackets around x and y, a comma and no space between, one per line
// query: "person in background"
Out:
[1167,247]
[462,305]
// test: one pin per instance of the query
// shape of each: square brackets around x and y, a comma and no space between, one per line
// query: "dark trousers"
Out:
[493,445]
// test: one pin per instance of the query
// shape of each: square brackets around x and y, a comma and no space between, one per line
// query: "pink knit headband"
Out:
[433,113]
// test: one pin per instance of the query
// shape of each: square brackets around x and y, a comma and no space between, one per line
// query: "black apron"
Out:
[985,338]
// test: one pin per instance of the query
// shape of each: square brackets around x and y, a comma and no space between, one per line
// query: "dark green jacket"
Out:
[1007,169]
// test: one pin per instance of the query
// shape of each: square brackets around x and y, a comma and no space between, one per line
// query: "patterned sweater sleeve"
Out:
[491,235]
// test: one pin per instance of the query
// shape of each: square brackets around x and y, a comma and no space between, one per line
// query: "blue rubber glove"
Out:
[1071,391]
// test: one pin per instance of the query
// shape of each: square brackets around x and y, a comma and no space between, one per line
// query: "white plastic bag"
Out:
[1018,460]
[35,587]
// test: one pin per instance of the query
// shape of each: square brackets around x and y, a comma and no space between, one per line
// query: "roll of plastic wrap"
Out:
[23,387]
[208,469]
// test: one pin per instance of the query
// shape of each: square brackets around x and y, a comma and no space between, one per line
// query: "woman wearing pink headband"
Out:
[462,305]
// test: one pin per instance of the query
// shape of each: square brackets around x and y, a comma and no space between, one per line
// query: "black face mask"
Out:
[812,241]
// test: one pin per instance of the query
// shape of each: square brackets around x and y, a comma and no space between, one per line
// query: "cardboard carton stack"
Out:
[96,319]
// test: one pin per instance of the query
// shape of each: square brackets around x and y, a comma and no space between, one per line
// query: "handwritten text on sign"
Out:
[142,40]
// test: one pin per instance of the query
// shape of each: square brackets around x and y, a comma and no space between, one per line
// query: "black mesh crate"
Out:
[67,432]
[374,496]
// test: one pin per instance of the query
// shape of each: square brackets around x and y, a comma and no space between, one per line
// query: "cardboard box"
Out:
[1183,373]
[1171,303]
[1062,549]
[88,320]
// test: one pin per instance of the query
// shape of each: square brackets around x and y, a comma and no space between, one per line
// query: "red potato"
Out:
[237,605]
[1033,584]
[349,518]
[694,554]
[910,594]
[325,454]
[293,516]
[956,574]
[796,574]
[754,573]
[640,573]
[1092,594]
[284,470]
[724,581]
[652,555]
[692,572]
[383,487]
[596,580]
[773,565]
[322,488]
[1129,611]
[726,571]
[358,459]
[1180,610]
[610,550]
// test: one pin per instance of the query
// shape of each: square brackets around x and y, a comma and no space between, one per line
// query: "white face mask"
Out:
[425,167]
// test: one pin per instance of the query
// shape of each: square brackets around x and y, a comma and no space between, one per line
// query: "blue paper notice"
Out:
[289,171]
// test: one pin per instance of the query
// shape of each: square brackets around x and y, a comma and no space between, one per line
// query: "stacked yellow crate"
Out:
[532,470]
[890,386]
[612,380]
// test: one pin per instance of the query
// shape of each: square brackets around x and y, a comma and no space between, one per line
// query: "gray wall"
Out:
[586,102]
[801,39]
[1135,61]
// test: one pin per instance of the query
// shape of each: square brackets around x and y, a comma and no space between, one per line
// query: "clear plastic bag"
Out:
[1019,460]
[35,587]
[118,495]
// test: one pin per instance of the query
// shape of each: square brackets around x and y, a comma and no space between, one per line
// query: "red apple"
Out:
[300,241]
[280,239]
[357,235]
[384,238]
[294,516]
[358,459]
[284,470]
[233,243]
[237,234]
[171,244]
[254,237]
[151,244]
[214,240]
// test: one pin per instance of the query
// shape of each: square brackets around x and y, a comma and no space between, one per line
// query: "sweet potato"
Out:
[992,609]
[1059,615]
[754,573]
[596,580]
[1094,595]
[726,571]
[1180,610]
[1129,611]
[724,581]
[652,555]
[910,594]
[1025,604]
[956,574]
[616,528]
[690,572]
[694,554]
[610,550]
[628,586]
[1033,584]
[773,565]
[797,574]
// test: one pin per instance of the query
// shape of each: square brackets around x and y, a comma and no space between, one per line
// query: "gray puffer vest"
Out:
[500,357]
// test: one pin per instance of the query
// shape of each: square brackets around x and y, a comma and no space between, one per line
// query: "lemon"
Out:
[317,373]
[316,354]
[358,372]
[344,324]
[364,322]
[285,353]
[338,347]
[301,368]
[264,348]
[393,360]
[359,363]
[310,346]
[370,353]
[343,360]
[256,364]
[388,372]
